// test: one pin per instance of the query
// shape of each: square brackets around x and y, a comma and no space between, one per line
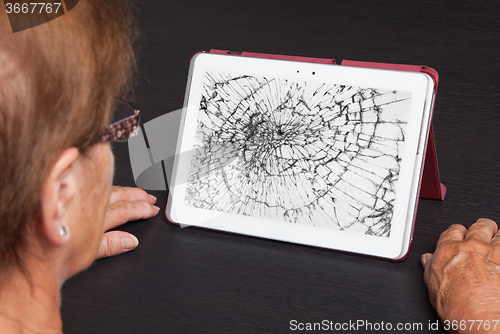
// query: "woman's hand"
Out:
[463,277]
[125,204]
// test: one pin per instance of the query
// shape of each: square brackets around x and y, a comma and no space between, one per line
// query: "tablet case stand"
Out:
[430,185]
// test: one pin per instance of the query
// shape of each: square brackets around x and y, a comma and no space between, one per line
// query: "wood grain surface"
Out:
[196,281]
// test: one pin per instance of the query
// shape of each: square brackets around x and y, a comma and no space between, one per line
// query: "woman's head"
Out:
[57,84]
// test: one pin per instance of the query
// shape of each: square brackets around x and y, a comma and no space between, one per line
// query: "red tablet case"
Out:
[430,184]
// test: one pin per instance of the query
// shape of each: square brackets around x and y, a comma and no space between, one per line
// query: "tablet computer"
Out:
[316,154]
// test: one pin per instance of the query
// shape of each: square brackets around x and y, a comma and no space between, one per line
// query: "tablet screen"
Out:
[311,153]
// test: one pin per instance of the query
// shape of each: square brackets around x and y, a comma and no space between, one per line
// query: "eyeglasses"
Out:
[125,123]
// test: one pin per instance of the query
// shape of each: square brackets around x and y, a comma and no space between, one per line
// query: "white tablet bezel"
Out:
[392,247]
[419,169]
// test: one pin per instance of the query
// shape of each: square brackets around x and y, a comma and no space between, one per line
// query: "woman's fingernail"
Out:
[129,242]
[423,258]
[157,208]
[152,197]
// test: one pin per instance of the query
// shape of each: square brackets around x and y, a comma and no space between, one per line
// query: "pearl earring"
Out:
[63,231]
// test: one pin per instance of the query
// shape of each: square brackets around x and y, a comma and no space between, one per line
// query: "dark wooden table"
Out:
[196,281]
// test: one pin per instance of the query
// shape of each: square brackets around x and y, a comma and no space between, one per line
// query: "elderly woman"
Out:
[58,82]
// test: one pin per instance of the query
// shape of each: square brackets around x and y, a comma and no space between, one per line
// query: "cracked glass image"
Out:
[319,154]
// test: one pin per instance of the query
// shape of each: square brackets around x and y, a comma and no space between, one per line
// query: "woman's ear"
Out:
[58,191]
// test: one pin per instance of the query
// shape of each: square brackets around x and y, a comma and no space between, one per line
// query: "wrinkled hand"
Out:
[463,275]
[126,204]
